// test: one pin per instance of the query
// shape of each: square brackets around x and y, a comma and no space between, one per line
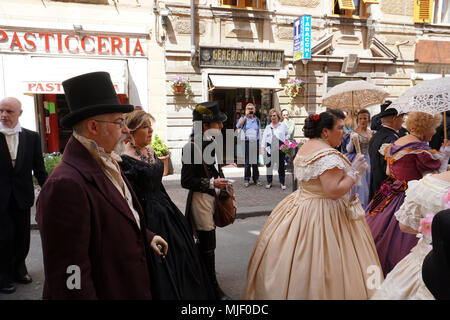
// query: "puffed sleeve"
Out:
[426,162]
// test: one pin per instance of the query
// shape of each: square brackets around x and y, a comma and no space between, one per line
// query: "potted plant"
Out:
[294,87]
[181,86]
[162,152]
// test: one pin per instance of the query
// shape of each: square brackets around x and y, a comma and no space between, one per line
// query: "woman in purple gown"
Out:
[408,158]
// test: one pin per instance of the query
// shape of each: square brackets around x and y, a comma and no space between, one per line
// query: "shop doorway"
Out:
[232,102]
[51,108]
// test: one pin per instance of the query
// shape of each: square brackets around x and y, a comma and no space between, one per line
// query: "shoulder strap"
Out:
[203,162]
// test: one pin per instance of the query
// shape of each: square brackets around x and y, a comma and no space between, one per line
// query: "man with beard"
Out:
[94,240]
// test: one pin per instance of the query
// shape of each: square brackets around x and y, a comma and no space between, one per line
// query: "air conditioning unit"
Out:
[350,64]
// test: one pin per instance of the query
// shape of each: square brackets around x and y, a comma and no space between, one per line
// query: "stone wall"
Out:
[398,7]
[301,3]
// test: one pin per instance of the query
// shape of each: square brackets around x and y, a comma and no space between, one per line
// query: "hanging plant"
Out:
[294,88]
[180,86]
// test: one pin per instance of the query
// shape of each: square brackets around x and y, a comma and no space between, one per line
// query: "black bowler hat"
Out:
[208,112]
[436,265]
[387,112]
[91,94]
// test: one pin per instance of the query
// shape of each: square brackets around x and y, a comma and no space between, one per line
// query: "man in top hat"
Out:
[202,185]
[94,241]
[20,158]
[391,123]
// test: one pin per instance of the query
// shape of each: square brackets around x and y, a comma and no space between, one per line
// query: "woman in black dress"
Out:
[144,171]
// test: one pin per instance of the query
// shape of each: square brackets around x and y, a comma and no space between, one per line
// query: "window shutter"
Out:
[371,1]
[346,5]
[423,11]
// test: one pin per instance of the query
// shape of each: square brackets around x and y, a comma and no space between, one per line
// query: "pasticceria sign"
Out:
[241,58]
[73,44]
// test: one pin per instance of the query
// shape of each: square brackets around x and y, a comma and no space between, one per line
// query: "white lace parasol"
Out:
[354,95]
[430,96]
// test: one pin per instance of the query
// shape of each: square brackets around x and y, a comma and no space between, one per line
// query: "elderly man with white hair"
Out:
[20,158]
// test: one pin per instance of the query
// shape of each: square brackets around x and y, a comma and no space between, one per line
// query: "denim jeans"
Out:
[251,160]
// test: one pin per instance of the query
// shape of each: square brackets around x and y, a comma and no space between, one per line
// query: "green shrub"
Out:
[160,148]
[51,160]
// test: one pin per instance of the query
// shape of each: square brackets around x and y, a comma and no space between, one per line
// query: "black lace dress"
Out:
[165,219]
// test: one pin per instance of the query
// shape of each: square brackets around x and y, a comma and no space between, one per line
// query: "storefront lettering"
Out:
[53,87]
[241,57]
[70,43]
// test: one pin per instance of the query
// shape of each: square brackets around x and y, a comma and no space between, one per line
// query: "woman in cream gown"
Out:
[311,247]
[423,196]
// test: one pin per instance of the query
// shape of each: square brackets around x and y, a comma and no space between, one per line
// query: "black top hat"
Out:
[387,112]
[436,265]
[89,95]
[208,112]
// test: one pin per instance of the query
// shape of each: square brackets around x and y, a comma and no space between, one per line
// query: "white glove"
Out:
[444,162]
[350,145]
[359,166]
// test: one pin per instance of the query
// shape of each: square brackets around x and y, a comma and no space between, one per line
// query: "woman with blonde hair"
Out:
[408,158]
[144,171]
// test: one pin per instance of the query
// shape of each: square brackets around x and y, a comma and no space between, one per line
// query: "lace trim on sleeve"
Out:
[434,154]
[422,197]
[313,169]
[384,149]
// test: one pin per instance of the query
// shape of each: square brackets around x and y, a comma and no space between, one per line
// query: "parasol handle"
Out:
[445,115]
[355,140]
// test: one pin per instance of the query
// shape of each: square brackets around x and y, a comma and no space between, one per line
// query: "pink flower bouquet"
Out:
[446,200]
[287,147]
[425,225]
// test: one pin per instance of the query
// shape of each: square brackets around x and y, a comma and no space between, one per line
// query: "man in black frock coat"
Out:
[20,158]
[391,123]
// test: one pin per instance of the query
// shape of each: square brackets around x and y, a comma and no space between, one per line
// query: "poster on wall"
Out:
[302,38]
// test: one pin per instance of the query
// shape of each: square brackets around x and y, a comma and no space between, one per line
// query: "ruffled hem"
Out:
[422,197]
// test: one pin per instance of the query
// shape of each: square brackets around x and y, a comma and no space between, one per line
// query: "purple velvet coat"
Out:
[84,221]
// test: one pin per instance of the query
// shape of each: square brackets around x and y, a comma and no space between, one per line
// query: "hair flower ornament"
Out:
[316,117]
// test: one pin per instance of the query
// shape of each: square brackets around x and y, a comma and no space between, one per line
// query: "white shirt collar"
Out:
[7,130]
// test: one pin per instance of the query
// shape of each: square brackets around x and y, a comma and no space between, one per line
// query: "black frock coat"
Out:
[377,161]
[193,176]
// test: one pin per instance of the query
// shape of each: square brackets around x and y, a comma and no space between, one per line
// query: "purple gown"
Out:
[408,162]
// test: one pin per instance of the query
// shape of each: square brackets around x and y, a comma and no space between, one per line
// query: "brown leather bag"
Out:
[225,203]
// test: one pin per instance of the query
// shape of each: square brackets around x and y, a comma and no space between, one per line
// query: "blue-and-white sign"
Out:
[302,38]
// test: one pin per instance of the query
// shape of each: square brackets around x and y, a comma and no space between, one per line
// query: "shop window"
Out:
[441,12]
[85,1]
[248,4]
[352,8]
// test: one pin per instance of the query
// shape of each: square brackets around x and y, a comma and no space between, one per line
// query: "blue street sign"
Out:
[302,38]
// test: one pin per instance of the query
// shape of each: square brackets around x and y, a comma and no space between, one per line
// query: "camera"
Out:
[251,112]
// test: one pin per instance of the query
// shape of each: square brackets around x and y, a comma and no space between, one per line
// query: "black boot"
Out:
[207,245]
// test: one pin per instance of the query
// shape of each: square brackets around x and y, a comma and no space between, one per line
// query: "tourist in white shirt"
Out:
[275,134]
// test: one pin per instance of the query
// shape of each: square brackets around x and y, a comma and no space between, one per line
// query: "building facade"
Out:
[42,43]
[232,51]
[241,51]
